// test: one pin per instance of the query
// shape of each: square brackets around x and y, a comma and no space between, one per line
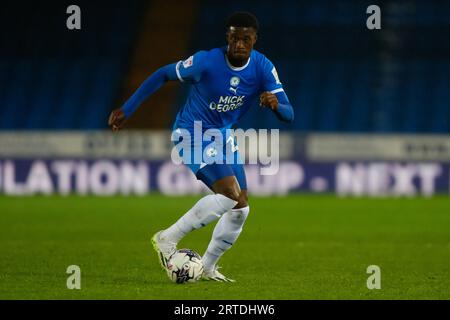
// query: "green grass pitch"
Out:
[294,247]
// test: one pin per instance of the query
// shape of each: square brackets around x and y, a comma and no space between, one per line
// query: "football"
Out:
[185,265]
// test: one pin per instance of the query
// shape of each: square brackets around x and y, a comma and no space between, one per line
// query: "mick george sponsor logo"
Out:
[227,103]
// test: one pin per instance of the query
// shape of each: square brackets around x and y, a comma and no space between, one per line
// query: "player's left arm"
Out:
[279,104]
[273,95]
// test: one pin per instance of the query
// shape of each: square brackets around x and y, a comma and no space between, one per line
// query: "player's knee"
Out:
[243,200]
[231,192]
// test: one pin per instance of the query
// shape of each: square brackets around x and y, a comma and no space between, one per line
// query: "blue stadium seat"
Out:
[60,79]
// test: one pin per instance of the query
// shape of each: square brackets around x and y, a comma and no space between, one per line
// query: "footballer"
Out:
[234,73]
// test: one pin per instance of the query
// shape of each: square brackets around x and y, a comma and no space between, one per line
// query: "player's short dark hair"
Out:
[242,19]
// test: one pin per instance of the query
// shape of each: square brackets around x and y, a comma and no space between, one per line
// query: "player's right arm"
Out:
[189,70]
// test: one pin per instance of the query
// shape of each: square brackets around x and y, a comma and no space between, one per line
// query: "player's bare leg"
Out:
[227,229]
[205,211]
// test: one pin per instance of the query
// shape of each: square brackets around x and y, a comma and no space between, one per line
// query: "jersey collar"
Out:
[237,68]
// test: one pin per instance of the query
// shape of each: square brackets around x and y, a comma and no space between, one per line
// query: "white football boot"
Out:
[165,249]
[215,275]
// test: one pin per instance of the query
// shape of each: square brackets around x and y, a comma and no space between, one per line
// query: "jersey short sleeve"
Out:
[191,69]
[271,81]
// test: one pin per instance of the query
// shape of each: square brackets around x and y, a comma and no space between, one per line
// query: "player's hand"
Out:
[269,100]
[116,119]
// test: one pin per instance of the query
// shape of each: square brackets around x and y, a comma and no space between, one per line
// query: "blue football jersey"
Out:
[221,94]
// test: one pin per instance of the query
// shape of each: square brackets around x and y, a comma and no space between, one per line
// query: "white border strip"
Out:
[177,69]
[237,68]
[277,90]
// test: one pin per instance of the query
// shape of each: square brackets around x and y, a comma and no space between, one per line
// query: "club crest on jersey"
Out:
[234,82]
